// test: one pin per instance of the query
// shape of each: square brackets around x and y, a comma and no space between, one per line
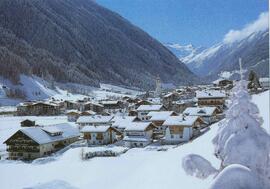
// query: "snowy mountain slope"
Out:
[253,50]
[80,41]
[30,88]
[35,88]
[184,52]
[138,168]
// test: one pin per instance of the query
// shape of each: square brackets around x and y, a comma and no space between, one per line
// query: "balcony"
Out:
[13,149]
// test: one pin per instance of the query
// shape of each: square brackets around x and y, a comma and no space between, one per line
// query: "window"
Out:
[141,144]
[172,136]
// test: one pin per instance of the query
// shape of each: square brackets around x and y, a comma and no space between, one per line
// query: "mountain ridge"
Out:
[87,43]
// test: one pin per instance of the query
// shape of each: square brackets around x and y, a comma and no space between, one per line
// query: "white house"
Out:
[181,128]
[208,114]
[158,118]
[94,120]
[121,122]
[138,134]
[143,110]
[100,135]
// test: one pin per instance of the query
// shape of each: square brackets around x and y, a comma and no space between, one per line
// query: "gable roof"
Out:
[210,94]
[203,111]
[39,134]
[150,107]
[94,119]
[180,120]
[123,121]
[159,116]
[138,126]
[96,129]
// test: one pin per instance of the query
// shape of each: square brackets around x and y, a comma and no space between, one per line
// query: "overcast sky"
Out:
[199,22]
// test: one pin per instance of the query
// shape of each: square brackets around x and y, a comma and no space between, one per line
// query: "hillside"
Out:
[79,41]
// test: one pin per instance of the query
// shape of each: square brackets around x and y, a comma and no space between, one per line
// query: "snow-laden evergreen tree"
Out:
[241,141]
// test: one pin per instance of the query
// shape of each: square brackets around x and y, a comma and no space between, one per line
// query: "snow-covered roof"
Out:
[52,129]
[39,135]
[122,122]
[149,107]
[180,120]
[110,102]
[137,138]
[137,126]
[210,94]
[159,116]
[33,103]
[95,129]
[73,111]
[197,111]
[94,119]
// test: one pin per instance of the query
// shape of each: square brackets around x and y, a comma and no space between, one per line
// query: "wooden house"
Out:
[100,135]
[211,98]
[94,120]
[27,123]
[112,105]
[143,110]
[38,109]
[122,122]
[35,142]
[158,118]
[208,114]
[138,134]
[181,128]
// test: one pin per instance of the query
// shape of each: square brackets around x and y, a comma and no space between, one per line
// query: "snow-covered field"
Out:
[138,168]
[262,101]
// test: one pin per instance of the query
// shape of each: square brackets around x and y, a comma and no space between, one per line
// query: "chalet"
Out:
[28,123]
[121,122]
[208,114]
[73,115]
[71,105]
[138,134]
[143,110]
[96,107]
[100,135]
[223,83]
[180,105]
[35,142]
[112,105]
[169,98]
[38,109]
[94,120]
[181,128]
[158,118]
[211,98]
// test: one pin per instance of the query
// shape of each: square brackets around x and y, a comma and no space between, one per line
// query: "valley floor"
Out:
[137,168]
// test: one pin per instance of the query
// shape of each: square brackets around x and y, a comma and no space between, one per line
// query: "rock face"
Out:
[82,42]
[254,51]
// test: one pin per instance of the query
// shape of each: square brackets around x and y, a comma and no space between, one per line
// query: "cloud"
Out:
[261,24]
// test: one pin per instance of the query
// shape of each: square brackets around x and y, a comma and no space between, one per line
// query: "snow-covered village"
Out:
[73,115]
